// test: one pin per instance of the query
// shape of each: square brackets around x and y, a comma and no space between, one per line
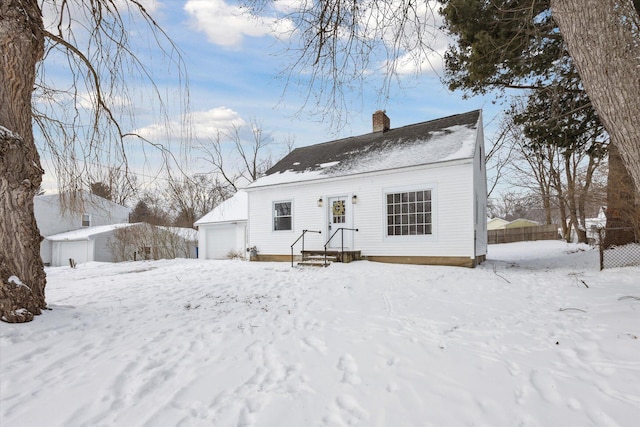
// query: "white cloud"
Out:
[227,25]
[202,124]
[207,123]
[422,61]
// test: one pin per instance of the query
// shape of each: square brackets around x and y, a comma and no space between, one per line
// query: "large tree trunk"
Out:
[623,213]
[22,278]
[602,37]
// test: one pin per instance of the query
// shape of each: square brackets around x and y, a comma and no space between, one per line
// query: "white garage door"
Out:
[220,241]
[79,251]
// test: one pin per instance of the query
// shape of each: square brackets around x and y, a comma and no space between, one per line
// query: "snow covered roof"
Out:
[232,209]
[86,233]
[89,232]
[445,139]
[496,223]
[521,222]
[190,234]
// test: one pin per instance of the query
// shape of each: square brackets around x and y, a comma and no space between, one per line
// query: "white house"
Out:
[52,218]
[223,231]
[415,194]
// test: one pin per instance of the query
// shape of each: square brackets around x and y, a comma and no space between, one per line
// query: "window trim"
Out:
[82,221]
[407,189]
[273,216]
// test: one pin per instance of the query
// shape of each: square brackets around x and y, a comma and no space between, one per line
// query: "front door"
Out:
[339,217]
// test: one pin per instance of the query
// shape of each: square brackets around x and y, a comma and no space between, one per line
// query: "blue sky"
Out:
[233,62]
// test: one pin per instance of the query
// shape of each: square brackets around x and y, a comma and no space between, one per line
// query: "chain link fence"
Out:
[619,247]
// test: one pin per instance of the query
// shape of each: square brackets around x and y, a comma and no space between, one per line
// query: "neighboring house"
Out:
[416,194]
[496,224]
[52,218]
[521,222]
[122,242]
[592,225]
[222,233]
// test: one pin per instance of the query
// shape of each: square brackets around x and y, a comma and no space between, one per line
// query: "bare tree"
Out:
[561,179]
[116,183]
[499,155]
[190,198]
[81,125]
[152,209]
[238,159]
[146,242]
[338,44]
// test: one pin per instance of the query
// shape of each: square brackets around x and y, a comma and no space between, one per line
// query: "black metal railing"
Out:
[298,239]
[341,230]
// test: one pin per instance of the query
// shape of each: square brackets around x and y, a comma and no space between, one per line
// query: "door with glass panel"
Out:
[339,216]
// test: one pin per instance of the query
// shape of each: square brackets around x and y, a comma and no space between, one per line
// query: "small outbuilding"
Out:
[83,245]
[222,233]
[521,222]
[496,223]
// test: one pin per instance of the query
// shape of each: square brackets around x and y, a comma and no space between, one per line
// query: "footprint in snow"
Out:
[316,343]
[546,386]
[349,368]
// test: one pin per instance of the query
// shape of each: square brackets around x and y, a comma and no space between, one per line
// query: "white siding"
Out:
[52,219]
[480,194]
[453,204]
[101,250]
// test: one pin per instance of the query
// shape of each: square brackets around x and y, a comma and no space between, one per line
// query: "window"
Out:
[86,220]
[409,213]
[282,216]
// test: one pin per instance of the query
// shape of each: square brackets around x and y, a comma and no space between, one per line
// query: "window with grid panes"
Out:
[282,216]
[409,213]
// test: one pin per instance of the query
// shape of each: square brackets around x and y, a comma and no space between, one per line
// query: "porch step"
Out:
[337,256]
[316,261]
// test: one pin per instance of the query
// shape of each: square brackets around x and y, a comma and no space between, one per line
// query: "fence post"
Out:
[601,247]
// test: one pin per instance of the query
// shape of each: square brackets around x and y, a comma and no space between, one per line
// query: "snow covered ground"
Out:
[536,336]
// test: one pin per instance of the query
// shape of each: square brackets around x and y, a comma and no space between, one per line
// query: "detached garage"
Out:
[83,245]
[222,233]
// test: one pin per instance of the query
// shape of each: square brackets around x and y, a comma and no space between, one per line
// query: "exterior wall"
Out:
[234,236]
[480,198]
[52,219]
[453,206]
[101,250]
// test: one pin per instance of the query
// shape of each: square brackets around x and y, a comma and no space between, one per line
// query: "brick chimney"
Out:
[381,122]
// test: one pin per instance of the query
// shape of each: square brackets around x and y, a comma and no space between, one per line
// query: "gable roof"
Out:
[86,197]
[445,139]
[233,209]
[86,233]
[496,223]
